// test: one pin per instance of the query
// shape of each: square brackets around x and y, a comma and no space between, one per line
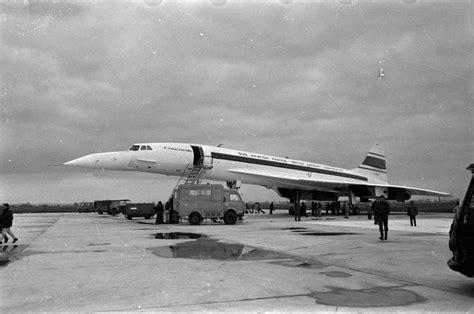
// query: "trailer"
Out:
[145,210]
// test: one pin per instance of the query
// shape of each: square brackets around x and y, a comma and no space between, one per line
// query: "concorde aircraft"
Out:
[292,179]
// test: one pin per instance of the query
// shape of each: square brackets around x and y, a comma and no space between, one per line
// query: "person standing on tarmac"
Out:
[412,211]
[159,209]
[345,208]
[6,223]
[167,212]
[297,212]
[381,212]
[318,210]
[271,208]
[303,210]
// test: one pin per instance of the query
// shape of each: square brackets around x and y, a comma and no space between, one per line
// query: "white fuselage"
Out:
[174,159]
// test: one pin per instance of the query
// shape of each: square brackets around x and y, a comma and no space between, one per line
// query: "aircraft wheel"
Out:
[129,217]
[194,218]
[230,217]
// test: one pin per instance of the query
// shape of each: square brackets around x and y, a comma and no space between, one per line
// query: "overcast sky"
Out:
[284,78]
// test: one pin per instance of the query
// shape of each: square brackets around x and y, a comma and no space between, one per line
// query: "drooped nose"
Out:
[87,161]
[112,161]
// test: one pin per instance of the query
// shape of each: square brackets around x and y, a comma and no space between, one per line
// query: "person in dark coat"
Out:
[345,209]
[6,223]
[297,212]
[159,209]
[313,208]
[412,211]
[303,210]
[271,208]
[381,212]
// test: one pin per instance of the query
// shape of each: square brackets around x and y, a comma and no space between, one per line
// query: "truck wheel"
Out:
[230,217]
[147,217]
[194,218]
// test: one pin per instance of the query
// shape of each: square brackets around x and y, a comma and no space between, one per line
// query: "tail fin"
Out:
[374,166]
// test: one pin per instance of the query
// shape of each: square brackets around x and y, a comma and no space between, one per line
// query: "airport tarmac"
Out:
[90,262]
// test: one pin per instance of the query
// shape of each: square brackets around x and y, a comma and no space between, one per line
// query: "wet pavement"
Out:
[89,262]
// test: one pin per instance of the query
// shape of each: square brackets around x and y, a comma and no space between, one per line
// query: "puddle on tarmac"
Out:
[415,235]
[178,235]
[298,263]
[294,228]
[336,274]
[327,233]
[205,248]
[375,297]
[98,244]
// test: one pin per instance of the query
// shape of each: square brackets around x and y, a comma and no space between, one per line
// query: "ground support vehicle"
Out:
[84,207]
[111,207]
[461,234]
[145,210]
[197,202]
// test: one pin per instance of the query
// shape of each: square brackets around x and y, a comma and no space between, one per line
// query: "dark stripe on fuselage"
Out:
[284,165]
[374,162]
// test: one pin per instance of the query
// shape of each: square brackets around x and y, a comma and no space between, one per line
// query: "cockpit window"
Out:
[143,147]
[148,147]
[135,147]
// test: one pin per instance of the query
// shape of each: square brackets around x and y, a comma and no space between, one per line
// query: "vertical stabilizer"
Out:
[374,166]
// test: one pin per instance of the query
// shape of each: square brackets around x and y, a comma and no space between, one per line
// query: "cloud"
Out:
[295,79]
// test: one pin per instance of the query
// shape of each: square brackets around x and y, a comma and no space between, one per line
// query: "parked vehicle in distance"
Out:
[111,207]
[145,210]
[84,207]
[461,234]
[197,202]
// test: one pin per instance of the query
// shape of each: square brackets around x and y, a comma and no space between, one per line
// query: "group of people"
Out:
[6,222]
[164,213]
[380,209]
[337,208]
[256,208]
[316,207]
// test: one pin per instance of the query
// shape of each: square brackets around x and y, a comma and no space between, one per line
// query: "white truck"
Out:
[197,202]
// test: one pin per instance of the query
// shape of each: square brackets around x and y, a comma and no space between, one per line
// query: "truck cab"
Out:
[461,234]
[197,202]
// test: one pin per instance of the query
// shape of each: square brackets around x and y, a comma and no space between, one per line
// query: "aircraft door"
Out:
[199,158]
[198,155]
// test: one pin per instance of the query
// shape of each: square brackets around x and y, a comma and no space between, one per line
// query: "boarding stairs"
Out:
[193,177]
